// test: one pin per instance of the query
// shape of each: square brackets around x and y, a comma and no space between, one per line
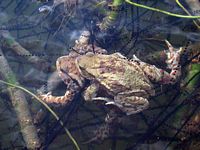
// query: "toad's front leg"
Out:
[58,100]
[159,75]
[72,89]
[90,92]
[71,77]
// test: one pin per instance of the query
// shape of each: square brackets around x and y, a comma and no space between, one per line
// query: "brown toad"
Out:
[128,83]
[68,71]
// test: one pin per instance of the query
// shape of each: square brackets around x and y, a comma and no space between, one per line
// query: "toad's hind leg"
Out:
[159,75]
[112,121]
[131,104]
[71,77]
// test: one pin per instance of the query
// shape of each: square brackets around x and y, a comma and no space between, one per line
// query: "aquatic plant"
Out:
[49,109]
[162,11]
[116,7]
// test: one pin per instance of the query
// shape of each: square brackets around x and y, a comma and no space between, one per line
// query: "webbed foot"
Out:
[100,134]
[109,128]
[58,100]
[173,56]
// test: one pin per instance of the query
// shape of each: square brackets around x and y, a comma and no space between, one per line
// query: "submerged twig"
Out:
[177,1]
[10,42]
[20,105]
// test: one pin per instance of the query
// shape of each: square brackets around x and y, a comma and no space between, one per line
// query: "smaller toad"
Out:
[68,71]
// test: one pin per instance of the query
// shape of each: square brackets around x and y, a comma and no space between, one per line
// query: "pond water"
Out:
[99,75]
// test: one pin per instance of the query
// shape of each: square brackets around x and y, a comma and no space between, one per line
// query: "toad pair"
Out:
[128,82]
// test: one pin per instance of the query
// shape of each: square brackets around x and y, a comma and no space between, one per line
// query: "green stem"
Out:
[162,11]
[47,107]
[193,77]
[117,2]
[112,16]
[180,5]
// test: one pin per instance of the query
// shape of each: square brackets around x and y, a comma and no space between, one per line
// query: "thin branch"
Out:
[9,42]
[20,105]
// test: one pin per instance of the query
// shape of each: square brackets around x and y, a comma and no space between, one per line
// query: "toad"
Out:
[127,82]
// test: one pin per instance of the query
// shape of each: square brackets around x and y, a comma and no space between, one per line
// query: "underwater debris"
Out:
[20,105]
[67,5]
[9,42]
[45,9]
[193,125]
[189,135]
